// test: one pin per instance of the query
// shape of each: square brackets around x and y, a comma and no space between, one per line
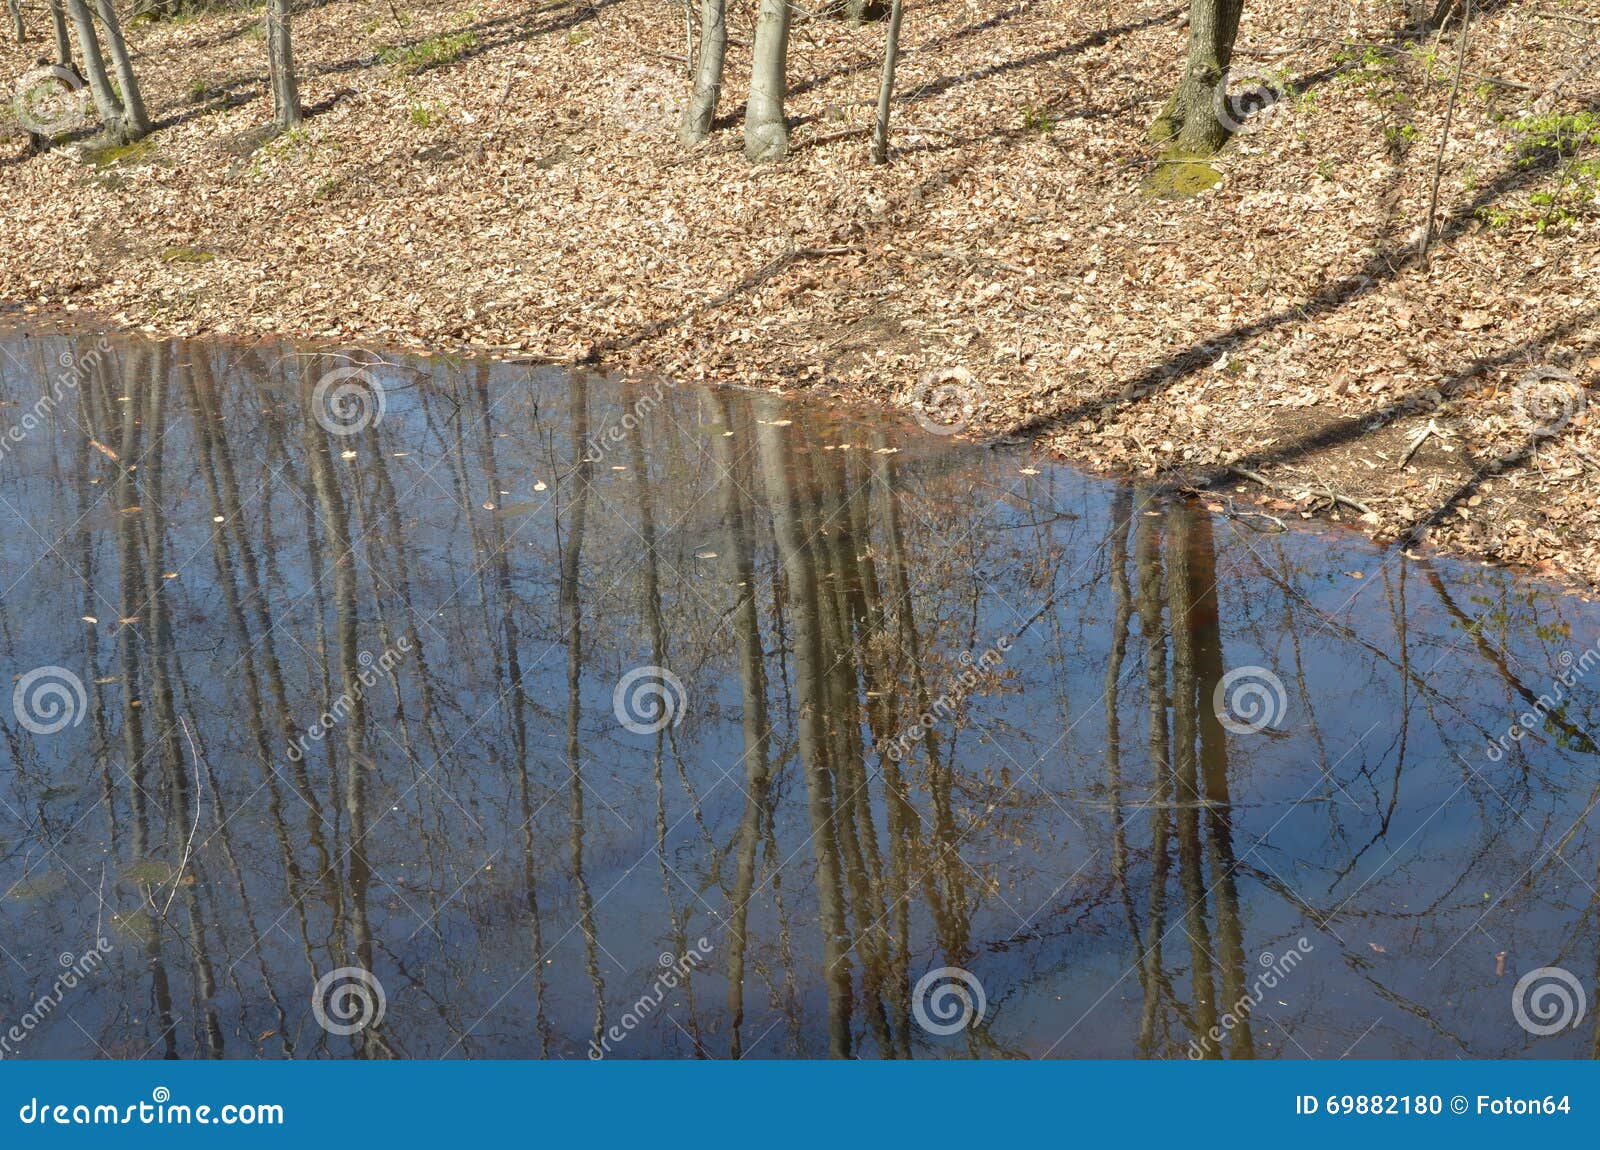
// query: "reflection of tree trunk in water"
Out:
[346,655]
[1121,616]
[833,540]
[100,731]
[188,875]
[211,442]
[508,672]
[943,879]
[882,683]
[1147,564]
[651,574]
[572,628]
[1188,796]
[799,570]
[757,731]
[1204,626]
[130,555]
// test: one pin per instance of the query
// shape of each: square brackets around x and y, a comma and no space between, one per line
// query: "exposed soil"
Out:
[519,192]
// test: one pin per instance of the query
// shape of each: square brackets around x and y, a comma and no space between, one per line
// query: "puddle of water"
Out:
[494,703]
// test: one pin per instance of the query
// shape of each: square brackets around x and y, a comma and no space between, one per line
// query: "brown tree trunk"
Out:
[94,68]
[702,106]
[766,135]
[135,120]
[1190,117]
[280,63]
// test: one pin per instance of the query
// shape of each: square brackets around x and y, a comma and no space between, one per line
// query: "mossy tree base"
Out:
[1180,175]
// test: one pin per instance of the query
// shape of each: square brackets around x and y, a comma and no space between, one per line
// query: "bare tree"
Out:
[766,135]
[702,106]
[135,120]
[280,63]
[891,53]
[1190,117]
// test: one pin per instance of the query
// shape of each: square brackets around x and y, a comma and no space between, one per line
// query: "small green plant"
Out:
[1559,140]
[421,115]
[431,53]
[1037,119]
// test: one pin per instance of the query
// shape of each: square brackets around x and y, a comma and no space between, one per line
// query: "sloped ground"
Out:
[503,177]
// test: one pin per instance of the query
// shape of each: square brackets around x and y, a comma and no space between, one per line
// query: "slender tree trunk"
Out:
[17,26]
[1190,117]
[280,62]
[891,53]
[94,68]
[702,107]
[58,25]
[766,135]
[135,121]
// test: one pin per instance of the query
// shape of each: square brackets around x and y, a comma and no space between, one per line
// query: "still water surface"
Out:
[589,717]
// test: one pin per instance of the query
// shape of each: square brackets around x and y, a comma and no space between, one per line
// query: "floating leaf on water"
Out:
[705,553]
[347,455]
[90,619]
[134,924]
[36,887]
[539,486]
[1030,471]
[147,872]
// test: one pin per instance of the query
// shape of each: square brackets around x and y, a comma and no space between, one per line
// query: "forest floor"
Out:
[503,177]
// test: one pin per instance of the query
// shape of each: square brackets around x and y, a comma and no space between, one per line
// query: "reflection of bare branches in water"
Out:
[1078,832]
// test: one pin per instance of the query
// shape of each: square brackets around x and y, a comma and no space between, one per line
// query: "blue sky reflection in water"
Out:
[494,700]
